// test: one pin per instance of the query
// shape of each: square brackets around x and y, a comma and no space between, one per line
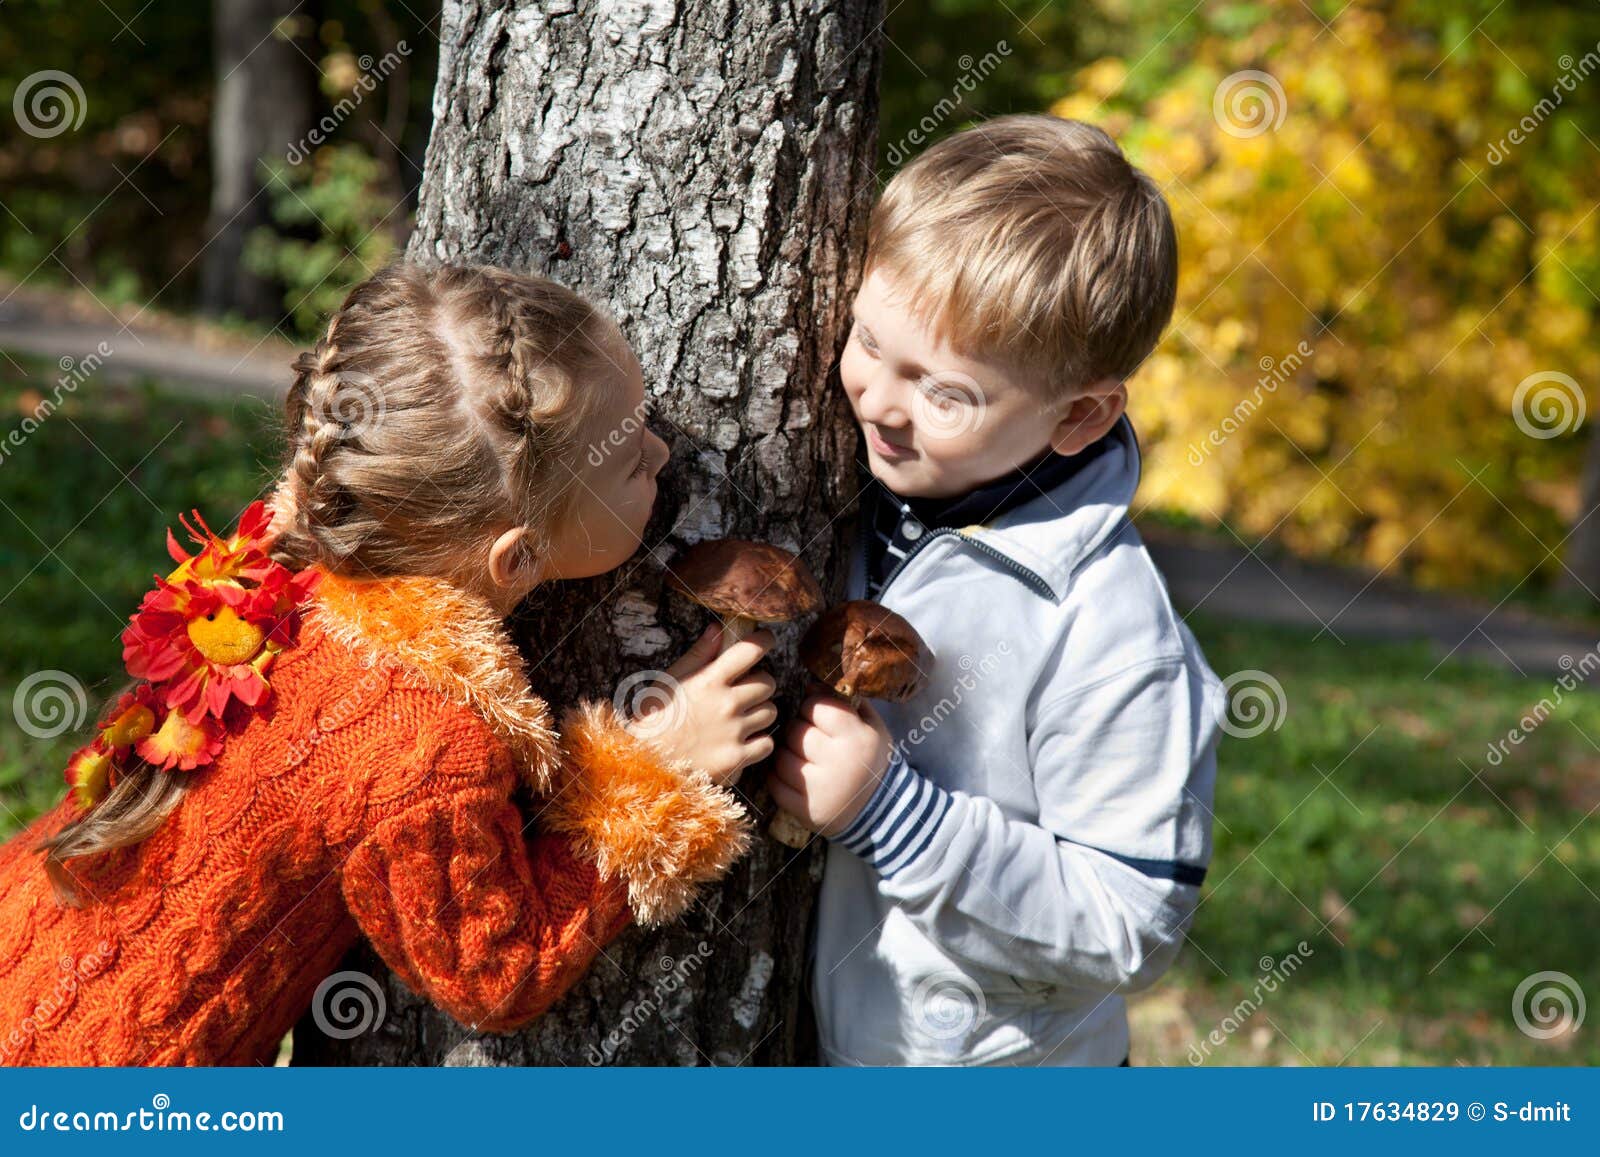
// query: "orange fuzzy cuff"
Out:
[664,826]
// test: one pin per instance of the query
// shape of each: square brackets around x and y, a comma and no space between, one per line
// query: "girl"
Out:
[331,718]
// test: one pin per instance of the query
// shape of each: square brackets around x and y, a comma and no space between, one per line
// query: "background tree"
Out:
[266,88]
[705,171]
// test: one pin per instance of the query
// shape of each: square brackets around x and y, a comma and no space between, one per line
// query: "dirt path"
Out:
[1229,581]
[191,357]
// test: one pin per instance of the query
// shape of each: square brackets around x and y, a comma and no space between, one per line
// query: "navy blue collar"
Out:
[1039,475]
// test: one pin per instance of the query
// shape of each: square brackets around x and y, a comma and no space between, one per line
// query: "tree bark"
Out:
[265,96]
[1581,574]
[705,170]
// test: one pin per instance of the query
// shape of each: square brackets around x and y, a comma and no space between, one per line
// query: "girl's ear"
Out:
[1094,411]
[512,564]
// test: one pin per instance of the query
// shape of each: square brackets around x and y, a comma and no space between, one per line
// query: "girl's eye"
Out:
[642,467]
[865,340]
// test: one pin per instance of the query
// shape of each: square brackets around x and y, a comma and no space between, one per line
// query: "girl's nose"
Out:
[658,450]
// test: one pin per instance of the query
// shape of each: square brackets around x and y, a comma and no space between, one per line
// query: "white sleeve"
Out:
[1099,891]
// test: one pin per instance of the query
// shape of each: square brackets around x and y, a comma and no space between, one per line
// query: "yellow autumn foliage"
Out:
[1367,276]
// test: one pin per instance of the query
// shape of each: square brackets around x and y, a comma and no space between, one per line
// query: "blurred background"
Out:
[1370,469]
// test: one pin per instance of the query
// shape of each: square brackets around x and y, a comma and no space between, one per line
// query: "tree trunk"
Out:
[1581,574]
[264,104]
[706,171]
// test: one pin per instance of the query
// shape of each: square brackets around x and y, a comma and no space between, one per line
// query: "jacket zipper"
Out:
[1030,577]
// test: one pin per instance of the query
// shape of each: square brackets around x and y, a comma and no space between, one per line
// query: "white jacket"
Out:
[1038,843]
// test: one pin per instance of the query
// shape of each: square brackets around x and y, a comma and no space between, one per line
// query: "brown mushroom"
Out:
[862,651]
[744,584]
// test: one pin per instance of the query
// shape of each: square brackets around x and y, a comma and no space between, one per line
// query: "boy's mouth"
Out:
[884,448]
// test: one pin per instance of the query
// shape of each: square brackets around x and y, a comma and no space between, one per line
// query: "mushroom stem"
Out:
[734,629]
[788,831]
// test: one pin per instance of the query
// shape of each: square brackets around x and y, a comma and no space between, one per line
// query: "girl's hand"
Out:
[710,708]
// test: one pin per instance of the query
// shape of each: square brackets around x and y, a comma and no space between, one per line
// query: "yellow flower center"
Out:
[129,727]
[224,638]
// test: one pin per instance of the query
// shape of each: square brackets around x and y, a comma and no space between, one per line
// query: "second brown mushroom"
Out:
[861,650]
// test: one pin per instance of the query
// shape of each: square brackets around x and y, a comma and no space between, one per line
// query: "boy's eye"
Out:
[644,464]
[865,340]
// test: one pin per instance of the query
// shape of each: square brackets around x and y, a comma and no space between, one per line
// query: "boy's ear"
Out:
[1093,412]
[511,562]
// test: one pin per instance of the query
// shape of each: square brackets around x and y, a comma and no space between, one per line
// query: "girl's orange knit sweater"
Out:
[372,795]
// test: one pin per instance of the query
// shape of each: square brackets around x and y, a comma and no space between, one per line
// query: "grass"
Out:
[1425,882]
[1424,894]
[85,500]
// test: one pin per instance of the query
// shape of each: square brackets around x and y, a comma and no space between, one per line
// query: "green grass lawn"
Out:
[85,501]
[1423,896]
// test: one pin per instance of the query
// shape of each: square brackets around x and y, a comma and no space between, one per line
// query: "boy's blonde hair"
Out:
[441,407]
[1032,240]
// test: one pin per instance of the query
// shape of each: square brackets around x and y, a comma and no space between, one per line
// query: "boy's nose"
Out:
[880,404]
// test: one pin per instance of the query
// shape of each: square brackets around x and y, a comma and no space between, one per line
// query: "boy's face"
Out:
[937,424]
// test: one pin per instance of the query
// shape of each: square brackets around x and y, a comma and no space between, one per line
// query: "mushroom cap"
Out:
[736,579]
[862,648]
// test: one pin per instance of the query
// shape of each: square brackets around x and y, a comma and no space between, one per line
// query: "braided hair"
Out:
[441,407]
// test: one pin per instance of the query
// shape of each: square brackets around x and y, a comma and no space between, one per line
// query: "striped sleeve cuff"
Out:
[899,821]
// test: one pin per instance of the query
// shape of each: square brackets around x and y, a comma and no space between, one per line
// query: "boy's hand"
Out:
[832,759]
[712,709]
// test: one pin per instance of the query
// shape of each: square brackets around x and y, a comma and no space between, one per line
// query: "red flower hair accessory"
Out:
[201,641]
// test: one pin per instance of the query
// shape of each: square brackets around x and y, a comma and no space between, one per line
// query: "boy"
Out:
[1024,840]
